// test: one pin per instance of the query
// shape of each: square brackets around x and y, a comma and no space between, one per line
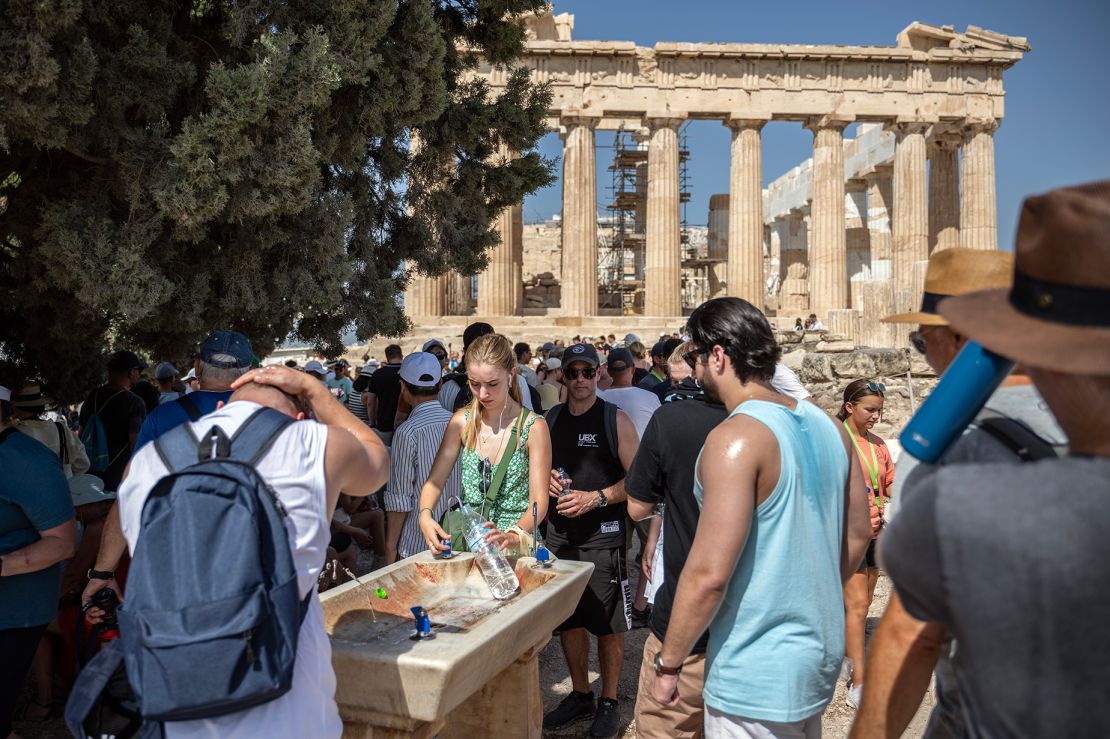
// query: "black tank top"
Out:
[580,446]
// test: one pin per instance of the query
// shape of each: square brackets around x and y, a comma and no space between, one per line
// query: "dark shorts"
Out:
[340,541]
[869,560]
[606,605]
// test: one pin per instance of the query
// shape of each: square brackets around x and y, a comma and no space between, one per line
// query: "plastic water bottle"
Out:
[499,575]
[966,387]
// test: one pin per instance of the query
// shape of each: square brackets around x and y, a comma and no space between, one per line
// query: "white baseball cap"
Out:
[421,369]
[315,367]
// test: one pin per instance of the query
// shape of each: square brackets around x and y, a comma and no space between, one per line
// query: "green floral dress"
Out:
[511,502]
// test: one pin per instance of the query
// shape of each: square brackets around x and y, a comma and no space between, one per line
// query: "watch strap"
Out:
[660,669]
[101,574]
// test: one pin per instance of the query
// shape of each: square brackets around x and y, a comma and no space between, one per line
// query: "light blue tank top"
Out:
[777,642]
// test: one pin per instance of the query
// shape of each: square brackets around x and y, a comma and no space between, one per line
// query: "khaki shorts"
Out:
[684,721]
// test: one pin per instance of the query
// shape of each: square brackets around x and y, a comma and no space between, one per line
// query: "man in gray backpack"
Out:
[290,470]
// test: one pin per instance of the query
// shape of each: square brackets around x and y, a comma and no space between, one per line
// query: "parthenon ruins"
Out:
[845,235]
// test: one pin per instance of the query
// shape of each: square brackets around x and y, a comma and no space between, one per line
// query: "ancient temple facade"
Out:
[845,233]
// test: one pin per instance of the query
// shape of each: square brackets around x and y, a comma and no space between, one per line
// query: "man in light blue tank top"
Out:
[784,522]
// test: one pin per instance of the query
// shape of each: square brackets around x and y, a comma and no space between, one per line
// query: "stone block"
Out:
[794,360]
[919,367]
[853,365]
[891,362]
[816,368]
[830,347]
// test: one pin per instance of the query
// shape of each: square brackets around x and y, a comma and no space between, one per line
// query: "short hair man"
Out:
[588,524]
[1003,555]
[765,578]
[436,348]
[523,354]
[121,413]
[224,357]
[904,650]
[415,443]
[341,385]
[308,465]
[638,403]
[165,374]
[551,390]
[384,393]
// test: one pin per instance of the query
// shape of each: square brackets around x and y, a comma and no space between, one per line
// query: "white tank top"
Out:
[294,467]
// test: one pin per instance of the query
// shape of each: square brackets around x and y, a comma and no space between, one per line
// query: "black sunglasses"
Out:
[588,372]
[485,470]
[691,357]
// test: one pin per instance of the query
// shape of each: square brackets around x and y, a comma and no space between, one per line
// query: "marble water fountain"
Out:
[478,676]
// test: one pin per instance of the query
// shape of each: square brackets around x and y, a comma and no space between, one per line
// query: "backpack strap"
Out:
[1016,436]
[190,407]
[552,414]
[63,449]
[257,434]
[611,427]
[177,448]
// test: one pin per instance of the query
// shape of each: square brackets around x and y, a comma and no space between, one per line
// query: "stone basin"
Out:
[478,675]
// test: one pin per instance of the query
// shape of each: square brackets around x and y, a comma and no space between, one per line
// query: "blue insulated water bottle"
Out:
[963,391]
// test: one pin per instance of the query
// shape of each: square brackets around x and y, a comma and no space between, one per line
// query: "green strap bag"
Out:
[452,521]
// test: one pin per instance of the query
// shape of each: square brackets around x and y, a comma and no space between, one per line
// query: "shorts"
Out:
[606,604]
[869,559]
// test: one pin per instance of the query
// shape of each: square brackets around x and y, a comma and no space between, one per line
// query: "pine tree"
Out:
[167,168]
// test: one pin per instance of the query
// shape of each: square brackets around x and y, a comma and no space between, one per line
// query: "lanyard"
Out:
[872,465]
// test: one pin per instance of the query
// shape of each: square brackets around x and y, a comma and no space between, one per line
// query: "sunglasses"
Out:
[918,342]
[588,372]
[438,355]
[691,357]
[876,387]
[485,470]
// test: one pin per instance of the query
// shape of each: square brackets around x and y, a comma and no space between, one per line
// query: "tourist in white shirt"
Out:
[639,404]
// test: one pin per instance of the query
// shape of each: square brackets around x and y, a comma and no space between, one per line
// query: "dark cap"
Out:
[580,353]
[226,350]
[124,361]
[548,347]
[619,360]
[660,349]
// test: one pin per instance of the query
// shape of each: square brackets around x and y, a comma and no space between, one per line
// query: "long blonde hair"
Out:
[492,350]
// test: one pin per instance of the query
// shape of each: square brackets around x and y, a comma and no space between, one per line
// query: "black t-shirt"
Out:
[385,384]
[663,472]
[122,413]
[580,446]
[638,375]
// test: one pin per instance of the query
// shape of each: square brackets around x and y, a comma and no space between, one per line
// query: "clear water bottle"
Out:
[495,568]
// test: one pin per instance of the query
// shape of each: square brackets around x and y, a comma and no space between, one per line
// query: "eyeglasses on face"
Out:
[574,373]
[691,357]
[439,355]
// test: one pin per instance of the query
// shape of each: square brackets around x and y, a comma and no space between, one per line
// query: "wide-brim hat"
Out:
[957,272]
[85,489]
[29,396]
[1057,314]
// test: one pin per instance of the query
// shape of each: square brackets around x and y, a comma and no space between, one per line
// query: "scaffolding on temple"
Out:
[622,236]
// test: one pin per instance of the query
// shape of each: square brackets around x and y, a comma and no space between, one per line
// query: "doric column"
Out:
[978,217]
[858,239]
[828,270]
[745,212]
[794,294]
[944,191]
[459,290]
[911,212]
[663,250]
[500,285]
[426,297]
[579,286]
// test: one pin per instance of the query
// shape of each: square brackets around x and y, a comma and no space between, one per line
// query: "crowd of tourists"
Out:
[756,522]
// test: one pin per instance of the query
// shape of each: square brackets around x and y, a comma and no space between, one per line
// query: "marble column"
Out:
[579,258]
[880,201]
[745,212]
[858,239]
[944,192]
[978,215]
[663,250]
[911,211]
[459,294]
[501,285]
[794,294]
[828,270]
[426,297]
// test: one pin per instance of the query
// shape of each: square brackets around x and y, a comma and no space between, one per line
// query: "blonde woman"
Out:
[480,433]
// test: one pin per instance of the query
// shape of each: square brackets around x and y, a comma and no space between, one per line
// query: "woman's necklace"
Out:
[484,441]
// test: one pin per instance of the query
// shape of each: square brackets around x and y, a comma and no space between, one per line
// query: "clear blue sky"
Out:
[1057,97]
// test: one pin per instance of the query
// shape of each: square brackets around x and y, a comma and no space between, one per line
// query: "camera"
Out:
[106,600]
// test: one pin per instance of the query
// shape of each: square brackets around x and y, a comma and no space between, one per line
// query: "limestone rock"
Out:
[816,368]
[891,362]
[794,360]
[836,346]
[854,365]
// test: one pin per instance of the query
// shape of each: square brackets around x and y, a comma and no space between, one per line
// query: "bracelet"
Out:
[421,511]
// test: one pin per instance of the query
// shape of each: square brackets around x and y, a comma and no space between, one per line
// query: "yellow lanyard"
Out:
[872,466]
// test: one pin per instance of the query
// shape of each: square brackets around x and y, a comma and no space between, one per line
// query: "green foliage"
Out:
[167,168]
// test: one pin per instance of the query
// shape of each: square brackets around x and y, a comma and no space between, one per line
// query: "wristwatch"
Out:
[602,501]
[100,575]
[661,670]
